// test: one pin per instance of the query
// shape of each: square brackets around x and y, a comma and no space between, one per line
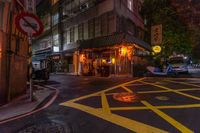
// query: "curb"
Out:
[37,108]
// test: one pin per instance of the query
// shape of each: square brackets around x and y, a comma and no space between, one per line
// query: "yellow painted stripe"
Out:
[183,83]
[175,91]
[169,119]
[190,89]
[163,91]
[132,125]
[149,92]
[158,107]
[98,93]
[105,104]
[127,89]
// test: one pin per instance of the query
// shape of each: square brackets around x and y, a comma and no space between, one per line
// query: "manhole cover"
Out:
[162,98]
[125,97]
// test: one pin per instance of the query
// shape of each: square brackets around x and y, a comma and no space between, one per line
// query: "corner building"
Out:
[99,37]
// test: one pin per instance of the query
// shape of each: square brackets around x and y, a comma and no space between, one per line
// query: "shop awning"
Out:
[116,39]
[41,54]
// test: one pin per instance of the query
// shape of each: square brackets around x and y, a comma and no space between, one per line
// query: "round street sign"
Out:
[28,23]
[156,49]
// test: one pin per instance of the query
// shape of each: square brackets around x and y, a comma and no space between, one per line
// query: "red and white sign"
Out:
[29,24]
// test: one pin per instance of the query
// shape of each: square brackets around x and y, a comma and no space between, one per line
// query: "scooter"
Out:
[166,72]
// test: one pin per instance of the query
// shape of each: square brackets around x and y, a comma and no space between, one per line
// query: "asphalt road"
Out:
[118,105]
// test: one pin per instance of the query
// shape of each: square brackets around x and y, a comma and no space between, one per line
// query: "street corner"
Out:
[44,96]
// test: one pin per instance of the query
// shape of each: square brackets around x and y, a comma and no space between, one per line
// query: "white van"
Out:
[179,64]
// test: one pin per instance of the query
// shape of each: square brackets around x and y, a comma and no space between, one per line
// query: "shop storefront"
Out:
[54,63]
[111,59]
[41,56]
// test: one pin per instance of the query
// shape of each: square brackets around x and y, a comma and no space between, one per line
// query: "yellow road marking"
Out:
[190,89]
[175,91]
[127,89]
[158,107]
[149,92]
[163,91]
[169,119]
[104,103]
[111,88]
[132,125]
[183,83]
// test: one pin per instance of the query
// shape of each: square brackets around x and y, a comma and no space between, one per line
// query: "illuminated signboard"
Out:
[157,49]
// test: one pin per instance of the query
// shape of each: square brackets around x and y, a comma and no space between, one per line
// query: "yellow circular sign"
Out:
[157,49]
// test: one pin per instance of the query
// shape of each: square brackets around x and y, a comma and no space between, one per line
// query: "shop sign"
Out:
[29,24]
[156,34]
[156,49]
[56,57]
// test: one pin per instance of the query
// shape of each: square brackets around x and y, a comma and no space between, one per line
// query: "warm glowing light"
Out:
[82,58]
[113,60]
[125,97]
[103,60]
[157,49]
[123,51]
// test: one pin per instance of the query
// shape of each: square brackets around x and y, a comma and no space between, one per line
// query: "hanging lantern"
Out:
[82,58]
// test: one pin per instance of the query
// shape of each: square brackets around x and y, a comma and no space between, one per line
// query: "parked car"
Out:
[179,64]
[40,73]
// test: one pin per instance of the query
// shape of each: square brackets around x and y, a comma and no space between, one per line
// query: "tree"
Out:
[175,34]
[195,38]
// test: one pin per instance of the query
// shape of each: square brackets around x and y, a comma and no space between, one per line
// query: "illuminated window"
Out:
[130,4]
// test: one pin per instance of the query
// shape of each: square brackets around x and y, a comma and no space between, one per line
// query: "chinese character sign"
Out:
[30,5]
[156,35]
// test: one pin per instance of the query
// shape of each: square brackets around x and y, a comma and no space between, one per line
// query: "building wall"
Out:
[101,18]
[121,7]
[3,91]
[91,12]
[13,56]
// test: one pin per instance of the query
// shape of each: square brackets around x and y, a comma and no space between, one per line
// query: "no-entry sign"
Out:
[29,24]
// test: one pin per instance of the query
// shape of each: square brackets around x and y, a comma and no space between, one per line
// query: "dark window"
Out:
[91,27]
[80,31]
[104,25]
[111,23]
[72,34]
[97,27]
[65,37]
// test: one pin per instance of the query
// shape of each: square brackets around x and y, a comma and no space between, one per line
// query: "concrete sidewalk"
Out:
[22,104]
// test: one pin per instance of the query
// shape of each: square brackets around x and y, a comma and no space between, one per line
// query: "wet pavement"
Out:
[120,105]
